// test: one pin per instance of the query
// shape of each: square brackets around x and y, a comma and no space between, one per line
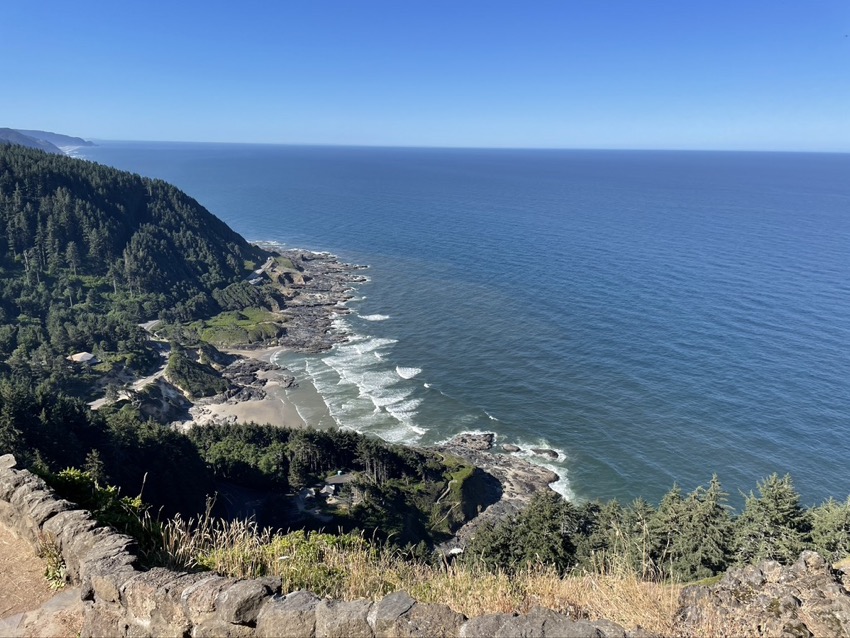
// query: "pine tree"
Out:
[831,529]
[773,525]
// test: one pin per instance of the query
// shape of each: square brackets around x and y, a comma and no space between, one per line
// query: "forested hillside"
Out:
[88,251]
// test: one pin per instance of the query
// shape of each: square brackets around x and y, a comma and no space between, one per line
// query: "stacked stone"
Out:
[121,599]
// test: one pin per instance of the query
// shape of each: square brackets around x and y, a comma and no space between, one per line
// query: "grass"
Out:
[54,565]
[239,327]
[285,263]
[348,567]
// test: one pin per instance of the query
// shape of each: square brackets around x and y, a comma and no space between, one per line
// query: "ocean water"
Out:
[655,317]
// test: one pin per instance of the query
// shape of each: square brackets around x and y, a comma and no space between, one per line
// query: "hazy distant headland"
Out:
[44,140]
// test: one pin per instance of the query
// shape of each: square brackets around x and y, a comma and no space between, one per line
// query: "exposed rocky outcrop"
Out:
[316,292]
[515,479]
[805,599]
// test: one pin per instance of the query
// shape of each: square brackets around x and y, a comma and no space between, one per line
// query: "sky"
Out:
[676,74]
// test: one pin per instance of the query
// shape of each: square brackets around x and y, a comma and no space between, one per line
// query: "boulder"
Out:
[292,615]
[340,619]
[386,612]
[240,603]
[803,599]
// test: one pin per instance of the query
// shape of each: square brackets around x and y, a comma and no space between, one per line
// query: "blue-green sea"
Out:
[655,317]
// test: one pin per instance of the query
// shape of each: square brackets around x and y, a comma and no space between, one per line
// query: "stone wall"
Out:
[122,599]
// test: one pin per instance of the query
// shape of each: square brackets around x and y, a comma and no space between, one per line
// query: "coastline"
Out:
[316,290]
[314,301]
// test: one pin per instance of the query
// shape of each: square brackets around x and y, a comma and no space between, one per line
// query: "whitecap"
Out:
[407,373]
[374,317]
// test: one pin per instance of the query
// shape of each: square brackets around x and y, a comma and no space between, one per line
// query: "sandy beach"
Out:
[274,409]
[296,406]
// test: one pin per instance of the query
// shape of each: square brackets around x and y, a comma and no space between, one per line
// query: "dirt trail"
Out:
[22,583]
[28,606]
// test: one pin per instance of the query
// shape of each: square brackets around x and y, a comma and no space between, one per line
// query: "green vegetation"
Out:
[89,252]
[686,538]
[246,326]
[195,379]
[393,493]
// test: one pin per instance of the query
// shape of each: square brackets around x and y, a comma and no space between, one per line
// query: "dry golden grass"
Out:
[348,568]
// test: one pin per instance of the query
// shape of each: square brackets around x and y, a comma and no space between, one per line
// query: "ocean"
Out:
[652,316]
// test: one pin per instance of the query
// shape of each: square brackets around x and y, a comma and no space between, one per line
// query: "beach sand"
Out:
[294,407]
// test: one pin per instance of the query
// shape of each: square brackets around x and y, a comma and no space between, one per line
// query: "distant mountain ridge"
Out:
[55,143]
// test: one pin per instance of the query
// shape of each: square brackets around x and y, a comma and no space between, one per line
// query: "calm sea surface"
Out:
[652,316]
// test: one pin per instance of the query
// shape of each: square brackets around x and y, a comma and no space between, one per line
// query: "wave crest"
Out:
[407,373]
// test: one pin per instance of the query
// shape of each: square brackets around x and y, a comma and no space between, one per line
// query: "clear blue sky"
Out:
[742,74]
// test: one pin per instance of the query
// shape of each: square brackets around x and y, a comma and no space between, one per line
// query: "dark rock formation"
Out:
[515,479]
[542,451]
[473,441]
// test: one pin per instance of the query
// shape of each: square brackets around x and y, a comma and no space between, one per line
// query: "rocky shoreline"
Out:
[315,297]
[517,481]
[315,292]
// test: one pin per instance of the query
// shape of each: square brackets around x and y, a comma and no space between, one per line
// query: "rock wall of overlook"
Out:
[123,599]
[120,598]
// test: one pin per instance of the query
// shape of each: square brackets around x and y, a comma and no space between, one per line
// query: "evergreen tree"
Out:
[773,525]
[831,529]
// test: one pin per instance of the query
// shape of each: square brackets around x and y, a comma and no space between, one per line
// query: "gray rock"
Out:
[7,461]
[199,600]
[240,603]
[803,599]
[139,593]
[609,629]
[168,617]
[216,628]
[293,615]
[104,620]
[509,447]
[384,613]
[104,582]
[11,480]
[545,623]
[483,626]
[42,510]
[429,621]
[473,441]
[338,619]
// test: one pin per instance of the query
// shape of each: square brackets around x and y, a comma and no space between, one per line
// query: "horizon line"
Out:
[472,148]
